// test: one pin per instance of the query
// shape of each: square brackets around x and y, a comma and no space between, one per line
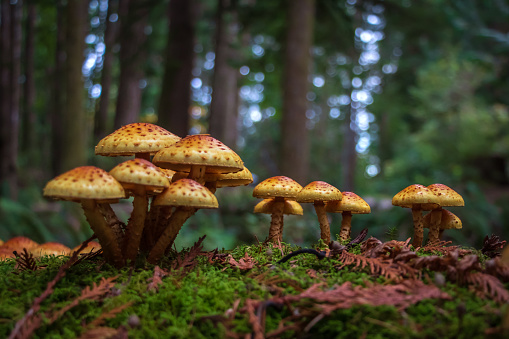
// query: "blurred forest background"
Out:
[370,96]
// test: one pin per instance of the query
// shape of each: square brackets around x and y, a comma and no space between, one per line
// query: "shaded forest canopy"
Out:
[385,94]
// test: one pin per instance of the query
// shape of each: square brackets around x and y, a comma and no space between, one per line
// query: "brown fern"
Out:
[109,315]
[489,286]
[156,278]
[25,261]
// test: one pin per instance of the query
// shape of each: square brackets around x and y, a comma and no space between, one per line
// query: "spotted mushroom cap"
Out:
[199,149]
[446,195]
[416,194]
[135,138]
[240,178]
[186,192]
[449,220]
[50,248]
[85,182]
[20,242]
[277,187]
[140,172]
[351,202]
[319,191]
[291,207]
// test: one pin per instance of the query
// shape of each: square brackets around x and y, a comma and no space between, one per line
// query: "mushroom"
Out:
[447,197]
[280,188]
[92,246]
[448,220]
[266,206]
[199,154]
[19,243]
[139,178]
[50,248]
[418,198]
[350,204]
[90,186]
[240,178]
[187,196]
[318,192]
[139,139]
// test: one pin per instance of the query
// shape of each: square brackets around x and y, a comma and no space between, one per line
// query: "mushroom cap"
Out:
[6,253]
[201,150]
[135,138]
[140,172]
[291,207]
[319,191]
[240,178]
[351,202]
[416,194]
[446,195]
[449,220]
[91,246]
[85,182]
[50,248]
[277,187]
[188,193]
[168,173]
[20,242]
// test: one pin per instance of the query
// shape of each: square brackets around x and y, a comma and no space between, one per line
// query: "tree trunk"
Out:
[349,154]
[294,134]
[74,123]
[29,137]
[102,125]
[224,105]
[173,111]
[133,16]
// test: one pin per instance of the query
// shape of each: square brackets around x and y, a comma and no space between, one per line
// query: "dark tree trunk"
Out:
[102,125]
[133,17]
[29,129]
[74,123]
[294,134]
[224,105]
[349,154]
[173,111]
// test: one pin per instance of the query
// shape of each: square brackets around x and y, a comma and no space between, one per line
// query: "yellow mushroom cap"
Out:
[140,172]
[201,150]
[85,182]
[291,207]
[449,220]
[446,195]
[277,187]
[135,138]
[240,178]
[188,193]
[416,194]
[20,242]
[351,202]
[319,191]
[50,248]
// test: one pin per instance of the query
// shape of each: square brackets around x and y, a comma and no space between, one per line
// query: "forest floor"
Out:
[364,289]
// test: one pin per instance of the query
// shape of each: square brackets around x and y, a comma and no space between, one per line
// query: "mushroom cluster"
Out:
[180,179]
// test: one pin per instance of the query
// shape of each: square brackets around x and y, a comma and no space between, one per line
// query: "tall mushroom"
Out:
[139,178]
[90,186]
[280,188]
[447,197]
[418,198]
[448,220]
[187,196]
[318,192]
[350,204]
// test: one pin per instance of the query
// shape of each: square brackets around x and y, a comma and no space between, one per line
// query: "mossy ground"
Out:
[199,304]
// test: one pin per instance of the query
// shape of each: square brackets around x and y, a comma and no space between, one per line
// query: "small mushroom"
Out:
[350,204]
[266,206]
[92,246]
[280,188]
[319,192]
[418,198]
[240,178]
[50,248]
[90,186]
[448,220]
[19,243]
[447,197]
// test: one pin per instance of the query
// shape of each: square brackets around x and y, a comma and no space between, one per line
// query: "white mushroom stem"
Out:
[323,220]
[177,219]
[135,224]
[434,227]
[346,225]
[276,224]
[418,225]
[105,235]
[197,172]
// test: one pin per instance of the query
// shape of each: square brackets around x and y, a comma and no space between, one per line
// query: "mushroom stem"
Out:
[346,225]
[144,156]
[135,224]
[434,227]
[323,220]
[418,225]
[276,224]
[211,186]
[112,220]
[196,173]
[177,219]
[105,235]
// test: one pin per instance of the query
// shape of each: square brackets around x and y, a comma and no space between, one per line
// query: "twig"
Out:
[319,254]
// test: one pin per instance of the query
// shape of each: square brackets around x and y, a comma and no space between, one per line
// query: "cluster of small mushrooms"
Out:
[170,178]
